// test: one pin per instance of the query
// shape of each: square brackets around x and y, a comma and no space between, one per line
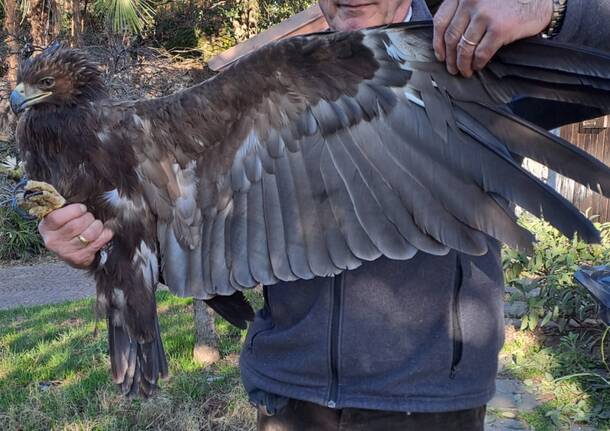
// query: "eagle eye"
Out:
[47,82]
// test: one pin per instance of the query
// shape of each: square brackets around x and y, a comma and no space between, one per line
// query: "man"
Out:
[392,345]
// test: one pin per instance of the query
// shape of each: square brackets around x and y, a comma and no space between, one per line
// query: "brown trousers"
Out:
[305,416]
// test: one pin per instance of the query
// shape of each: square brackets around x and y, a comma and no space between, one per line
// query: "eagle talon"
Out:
[28,194]
[17,197]
[35,199]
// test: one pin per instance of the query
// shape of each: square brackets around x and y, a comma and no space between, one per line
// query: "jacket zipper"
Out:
[457,328]
[334,340]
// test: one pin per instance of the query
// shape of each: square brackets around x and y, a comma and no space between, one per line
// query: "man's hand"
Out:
[61,229]
[467,33]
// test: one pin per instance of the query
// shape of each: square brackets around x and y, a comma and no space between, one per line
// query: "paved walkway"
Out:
[50,283]
[45,283]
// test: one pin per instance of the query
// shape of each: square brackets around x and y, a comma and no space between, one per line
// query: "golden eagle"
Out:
[304,159]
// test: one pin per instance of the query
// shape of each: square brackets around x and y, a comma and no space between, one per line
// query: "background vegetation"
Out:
[559,347]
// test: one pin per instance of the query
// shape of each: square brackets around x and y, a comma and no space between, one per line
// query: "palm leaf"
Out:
[126,15]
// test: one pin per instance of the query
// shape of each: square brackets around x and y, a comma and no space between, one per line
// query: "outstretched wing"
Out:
[317,153]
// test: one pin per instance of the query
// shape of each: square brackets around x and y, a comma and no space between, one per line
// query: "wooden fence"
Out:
[594,137]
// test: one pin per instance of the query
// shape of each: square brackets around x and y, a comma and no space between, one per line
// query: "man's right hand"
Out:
[61,229]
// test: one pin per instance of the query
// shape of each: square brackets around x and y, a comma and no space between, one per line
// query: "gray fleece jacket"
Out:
[421,335]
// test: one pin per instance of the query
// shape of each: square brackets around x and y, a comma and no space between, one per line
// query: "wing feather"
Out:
[344,147]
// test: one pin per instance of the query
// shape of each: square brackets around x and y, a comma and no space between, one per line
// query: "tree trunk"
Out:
[10,26]
[205,351]
[7,119]
[37,16]
[77,39]
[56,16]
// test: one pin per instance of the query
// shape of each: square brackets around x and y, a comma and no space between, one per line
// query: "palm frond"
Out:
[127,15]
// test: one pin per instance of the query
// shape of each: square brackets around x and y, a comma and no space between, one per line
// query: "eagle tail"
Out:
[136,366]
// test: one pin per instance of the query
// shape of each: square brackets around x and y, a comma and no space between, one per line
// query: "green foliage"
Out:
[545,279]
[19,239]
[126,15]
[275,11]
[569,364]
[209,27]
[566,374]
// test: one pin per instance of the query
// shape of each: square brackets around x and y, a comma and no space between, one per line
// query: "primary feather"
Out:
[304,159]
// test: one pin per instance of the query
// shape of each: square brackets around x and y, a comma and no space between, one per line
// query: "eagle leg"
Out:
[126,295]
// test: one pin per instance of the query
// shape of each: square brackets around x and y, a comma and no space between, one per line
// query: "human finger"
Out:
[103,239]
[84,257]
[442,18]
[59,217]
[490,44]
[89,234]
[467,46]
[452,37]
[75,227]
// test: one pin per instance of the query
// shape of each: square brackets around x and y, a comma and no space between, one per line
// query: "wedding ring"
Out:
[84,241]
[468,42]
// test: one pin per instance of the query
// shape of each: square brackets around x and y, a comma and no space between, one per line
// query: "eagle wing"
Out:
[321,152]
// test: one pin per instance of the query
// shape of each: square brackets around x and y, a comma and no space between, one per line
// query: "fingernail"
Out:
[83,208]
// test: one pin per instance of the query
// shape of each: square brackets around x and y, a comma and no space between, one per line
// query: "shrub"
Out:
[209,27]
[19,238]
[546,277]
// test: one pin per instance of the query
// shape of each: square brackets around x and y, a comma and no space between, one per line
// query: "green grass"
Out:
[54,374]
[564,372]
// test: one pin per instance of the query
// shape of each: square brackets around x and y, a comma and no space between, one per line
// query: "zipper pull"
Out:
[453,371]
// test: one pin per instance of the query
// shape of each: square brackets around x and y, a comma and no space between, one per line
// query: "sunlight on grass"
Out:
[54,374]
[547,371]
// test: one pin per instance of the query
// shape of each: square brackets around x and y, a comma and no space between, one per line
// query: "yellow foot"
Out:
[39,199]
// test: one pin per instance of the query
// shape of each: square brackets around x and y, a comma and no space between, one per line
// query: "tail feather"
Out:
[136,366]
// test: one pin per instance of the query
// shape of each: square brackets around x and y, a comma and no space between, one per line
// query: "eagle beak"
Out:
[24,96]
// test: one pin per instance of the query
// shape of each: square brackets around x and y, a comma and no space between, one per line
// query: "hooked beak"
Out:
[24,96]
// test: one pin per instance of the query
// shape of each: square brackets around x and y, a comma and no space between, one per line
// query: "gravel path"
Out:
[46,283]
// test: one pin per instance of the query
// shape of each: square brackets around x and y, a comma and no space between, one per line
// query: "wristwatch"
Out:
[559,12]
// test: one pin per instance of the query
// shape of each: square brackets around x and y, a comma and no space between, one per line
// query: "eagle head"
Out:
[58,77]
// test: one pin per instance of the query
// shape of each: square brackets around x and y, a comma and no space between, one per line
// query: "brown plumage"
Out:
[304,159]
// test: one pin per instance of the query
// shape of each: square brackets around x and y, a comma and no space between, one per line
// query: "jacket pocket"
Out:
[257,333]
[457,337]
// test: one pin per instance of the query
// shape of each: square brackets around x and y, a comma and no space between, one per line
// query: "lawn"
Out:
[54,375]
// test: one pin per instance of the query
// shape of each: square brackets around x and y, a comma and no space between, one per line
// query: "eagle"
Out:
[304,159]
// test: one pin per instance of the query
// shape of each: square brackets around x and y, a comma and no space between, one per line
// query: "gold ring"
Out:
[84,241]
[468,42]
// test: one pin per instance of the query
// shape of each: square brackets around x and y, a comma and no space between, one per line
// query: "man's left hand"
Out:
[467,33]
